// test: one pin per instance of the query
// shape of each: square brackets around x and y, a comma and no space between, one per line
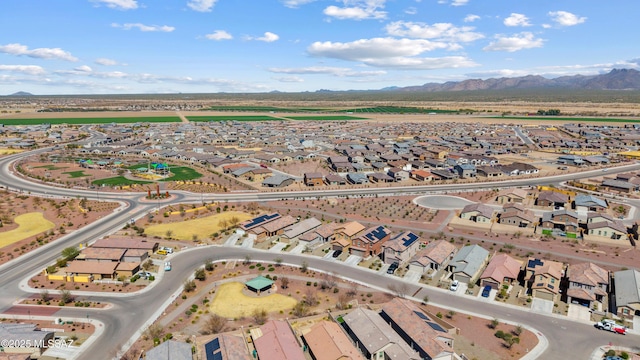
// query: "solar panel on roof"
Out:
[421,315]
[211,347]
[260,219]
[376,234]
[410,239]
[535,262]
[435,326]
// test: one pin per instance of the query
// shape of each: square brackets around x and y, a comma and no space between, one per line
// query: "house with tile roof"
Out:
[615,230]
[344,235]
[433,256]
[292,232]
[327,341]
[375,338]
[587,202]
[276,340]
[370,241]
[425,336]
[170,350]
[543,278]
[502,269]
[477,212]
[401,248]
[227,347]
[588,284]
[552,199]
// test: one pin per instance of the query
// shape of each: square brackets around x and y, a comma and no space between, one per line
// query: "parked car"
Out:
[336,253]
[162,251]
[454,285]
[167,249]
[167,266]
[486,291]
[392,268]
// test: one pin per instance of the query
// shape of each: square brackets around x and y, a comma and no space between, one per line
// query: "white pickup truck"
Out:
[611,325]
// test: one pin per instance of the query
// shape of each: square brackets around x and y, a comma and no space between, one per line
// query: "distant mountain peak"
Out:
[616,79]
[21,93]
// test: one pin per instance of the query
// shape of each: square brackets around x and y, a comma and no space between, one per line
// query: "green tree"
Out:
[200,274]
[70,253]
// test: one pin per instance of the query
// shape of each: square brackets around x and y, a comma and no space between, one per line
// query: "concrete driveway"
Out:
[278,247]
[413,276]
[298,249]
[353,260]
[542,306]
[579,312]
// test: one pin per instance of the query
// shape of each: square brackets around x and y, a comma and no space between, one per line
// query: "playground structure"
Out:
[154,171]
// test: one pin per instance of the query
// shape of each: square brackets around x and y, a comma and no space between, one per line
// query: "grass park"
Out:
[118,181]
[76,174]
[201,228]
[29,224]
[230,302]
[263,109]
[182,173]
[97,120]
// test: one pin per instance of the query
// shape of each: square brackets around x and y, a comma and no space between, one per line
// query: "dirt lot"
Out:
[66,215]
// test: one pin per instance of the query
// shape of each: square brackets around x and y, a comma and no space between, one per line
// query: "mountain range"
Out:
[616,79]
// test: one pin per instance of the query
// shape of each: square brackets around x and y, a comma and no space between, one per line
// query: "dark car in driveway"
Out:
[486,291]
[392,268]
[336,253]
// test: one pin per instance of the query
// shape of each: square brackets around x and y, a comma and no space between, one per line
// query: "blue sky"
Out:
[196,46]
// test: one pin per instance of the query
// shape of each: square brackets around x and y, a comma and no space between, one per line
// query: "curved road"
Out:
[567,339]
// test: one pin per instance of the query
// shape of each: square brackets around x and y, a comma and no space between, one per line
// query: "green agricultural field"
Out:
[326,117]
[572,119]
[118,181]
[232,118]
[182,173]
[261,109]
[76,174]
[396,110]
[119,120]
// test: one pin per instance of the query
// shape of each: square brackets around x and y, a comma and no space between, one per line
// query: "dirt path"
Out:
[182,117]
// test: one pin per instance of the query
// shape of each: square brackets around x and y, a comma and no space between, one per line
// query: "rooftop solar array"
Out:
[261,220]
[376,234]
[433,325]
[409,239]
[210,349]
[535,262]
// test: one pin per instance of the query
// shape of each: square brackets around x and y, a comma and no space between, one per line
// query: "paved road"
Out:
[567,339]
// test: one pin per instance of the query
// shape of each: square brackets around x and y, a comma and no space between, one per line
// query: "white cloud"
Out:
[389,52]
[296,3]
[327,70]
[440,31]
[84,68]
[106,62]
[119,4]
[24,69]
[219,35]
[564,18]
[267,37]
[546,26]
[471,18]
[411,10]
[524,40]
[357,10]
[516,19]
[39,53]
[201,5]
[144,28]
[454,2]
[289,79]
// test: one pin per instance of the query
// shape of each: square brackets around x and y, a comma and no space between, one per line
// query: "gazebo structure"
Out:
[259,284]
